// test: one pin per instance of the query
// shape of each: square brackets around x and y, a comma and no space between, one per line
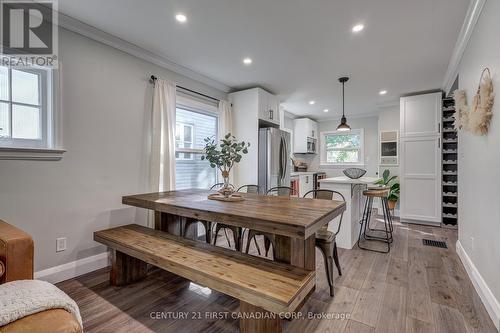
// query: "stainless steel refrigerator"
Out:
[274,158]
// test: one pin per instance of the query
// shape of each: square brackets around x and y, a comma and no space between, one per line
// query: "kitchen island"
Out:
[352,190]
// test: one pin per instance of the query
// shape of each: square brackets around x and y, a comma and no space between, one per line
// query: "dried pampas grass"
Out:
[462,118]
[482,105]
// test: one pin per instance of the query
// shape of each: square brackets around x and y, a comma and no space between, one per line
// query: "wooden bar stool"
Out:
[367,232]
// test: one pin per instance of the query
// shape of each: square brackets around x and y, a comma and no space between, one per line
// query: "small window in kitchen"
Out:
[342,148]
[26,119]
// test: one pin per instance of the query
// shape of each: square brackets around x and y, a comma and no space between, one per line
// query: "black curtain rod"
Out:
[154,78]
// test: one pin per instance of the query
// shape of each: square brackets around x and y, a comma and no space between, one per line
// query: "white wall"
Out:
[388,120]
[479,157]
[370,126]
[106,100]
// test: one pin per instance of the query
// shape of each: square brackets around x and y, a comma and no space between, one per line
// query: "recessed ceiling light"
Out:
[312,102]
[383,92]
[181,18]
[326,110]
[358,28]
[247,61]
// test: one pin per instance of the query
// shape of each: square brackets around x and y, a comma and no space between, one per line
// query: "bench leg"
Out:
[126,269]
[267,322]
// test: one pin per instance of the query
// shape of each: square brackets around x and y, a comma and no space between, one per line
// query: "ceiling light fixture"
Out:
[343,121]
[181,18]
[247,61]
[312,102]
[326,110]
[358,28]
[383,92]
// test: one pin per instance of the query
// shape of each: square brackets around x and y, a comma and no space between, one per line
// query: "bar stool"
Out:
[367,232]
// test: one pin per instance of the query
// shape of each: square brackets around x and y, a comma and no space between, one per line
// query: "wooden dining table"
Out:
[293,222]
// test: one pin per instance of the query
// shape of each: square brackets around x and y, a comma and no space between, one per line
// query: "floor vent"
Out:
[430,242]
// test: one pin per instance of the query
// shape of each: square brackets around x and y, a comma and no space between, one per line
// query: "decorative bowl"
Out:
[354,173]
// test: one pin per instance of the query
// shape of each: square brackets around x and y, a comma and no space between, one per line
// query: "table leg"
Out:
[256,320]
[296,252]
[126,269]
[175,225]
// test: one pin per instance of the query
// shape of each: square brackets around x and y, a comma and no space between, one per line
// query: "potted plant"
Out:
[223,156]
[393,184]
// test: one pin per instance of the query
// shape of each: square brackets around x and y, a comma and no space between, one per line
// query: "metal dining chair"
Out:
[325,239]
[221,226]
[254,189]
[269,239]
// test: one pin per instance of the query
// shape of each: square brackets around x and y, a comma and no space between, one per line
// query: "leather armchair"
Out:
[16,263]
[16,254]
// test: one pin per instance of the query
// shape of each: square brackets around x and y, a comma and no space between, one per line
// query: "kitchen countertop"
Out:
[347,180]
[298,173]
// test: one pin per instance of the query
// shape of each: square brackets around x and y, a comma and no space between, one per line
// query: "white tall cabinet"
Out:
[420,160]
[252,108]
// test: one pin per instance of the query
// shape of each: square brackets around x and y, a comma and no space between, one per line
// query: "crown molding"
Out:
[471,18]
[76,26]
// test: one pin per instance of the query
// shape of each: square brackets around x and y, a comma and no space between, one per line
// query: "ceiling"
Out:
[299,48]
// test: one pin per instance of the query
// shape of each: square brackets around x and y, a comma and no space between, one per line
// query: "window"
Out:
[25,104]
[194,123]
[342,148]
[183,141]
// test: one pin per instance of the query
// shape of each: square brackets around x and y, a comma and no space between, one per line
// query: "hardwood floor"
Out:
[414,288]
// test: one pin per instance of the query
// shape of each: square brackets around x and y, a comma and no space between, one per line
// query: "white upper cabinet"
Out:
[268,107]
[305,136]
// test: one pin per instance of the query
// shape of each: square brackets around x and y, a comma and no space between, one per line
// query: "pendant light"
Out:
[343,121]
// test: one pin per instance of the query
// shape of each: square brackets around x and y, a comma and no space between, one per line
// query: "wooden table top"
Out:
[280,215]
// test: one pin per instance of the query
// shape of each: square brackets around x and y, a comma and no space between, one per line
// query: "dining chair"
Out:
[254,189]
[269,239]
[325,239]
[221,226]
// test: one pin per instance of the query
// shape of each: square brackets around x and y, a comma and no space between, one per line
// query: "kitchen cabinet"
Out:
[252,110]
[269,110]
[305,136]
[306,184]
[420,161]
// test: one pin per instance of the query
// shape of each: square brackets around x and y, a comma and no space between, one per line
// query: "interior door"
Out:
[420,164]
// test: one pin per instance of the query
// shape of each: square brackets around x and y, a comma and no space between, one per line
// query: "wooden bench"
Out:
[259,284]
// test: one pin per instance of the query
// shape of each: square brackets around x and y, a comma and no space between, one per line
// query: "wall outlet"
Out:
[60,244]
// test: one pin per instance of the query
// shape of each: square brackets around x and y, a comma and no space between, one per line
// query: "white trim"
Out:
[31,154]
[73,269]
[71,24]
[490,302]
[471,18]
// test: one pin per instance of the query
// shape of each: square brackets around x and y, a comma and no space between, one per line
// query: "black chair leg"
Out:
[336,258]
[326,251]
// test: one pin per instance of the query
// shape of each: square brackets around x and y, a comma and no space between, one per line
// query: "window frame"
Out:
[361,149]
[44,95]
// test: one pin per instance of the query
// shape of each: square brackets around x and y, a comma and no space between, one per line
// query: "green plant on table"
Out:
[224,155]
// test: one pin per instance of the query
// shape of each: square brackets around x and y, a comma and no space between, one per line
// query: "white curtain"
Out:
[225,126]
[163,137]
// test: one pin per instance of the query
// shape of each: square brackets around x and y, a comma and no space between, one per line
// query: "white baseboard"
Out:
[490,302]
[73,269]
